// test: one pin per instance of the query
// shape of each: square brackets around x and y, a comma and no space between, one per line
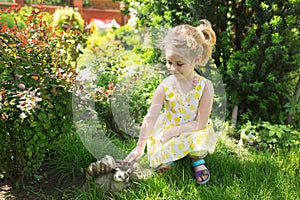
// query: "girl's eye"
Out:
[178,64]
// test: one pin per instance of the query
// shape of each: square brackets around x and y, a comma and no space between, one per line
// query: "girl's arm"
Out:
[148,124]
[153,113]
[199,123]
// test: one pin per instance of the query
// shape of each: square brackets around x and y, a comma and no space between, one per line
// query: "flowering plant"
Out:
[37,70]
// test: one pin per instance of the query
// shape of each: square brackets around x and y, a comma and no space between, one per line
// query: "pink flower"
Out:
[18,76]
[4,116]
[21,85]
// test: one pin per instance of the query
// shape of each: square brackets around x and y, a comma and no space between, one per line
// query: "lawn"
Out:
[237,173]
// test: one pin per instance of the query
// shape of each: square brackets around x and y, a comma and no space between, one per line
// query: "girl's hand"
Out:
[137,152]
[167,135]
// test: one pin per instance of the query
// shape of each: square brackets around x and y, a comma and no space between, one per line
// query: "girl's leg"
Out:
[198,154]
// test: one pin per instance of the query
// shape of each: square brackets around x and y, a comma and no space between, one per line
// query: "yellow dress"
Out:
[180,109]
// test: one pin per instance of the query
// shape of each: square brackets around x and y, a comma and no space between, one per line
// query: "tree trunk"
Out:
[234,116]
[296,99]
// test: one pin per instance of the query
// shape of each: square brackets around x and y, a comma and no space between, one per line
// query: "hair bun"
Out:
[206,31]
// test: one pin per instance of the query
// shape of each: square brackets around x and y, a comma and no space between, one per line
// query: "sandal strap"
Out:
[200,173]
[198,163]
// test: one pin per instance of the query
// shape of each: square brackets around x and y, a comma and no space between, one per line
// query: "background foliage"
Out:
[124,82]
[257,49]
[68,18]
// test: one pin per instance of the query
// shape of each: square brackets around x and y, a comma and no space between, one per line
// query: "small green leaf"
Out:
[34,124]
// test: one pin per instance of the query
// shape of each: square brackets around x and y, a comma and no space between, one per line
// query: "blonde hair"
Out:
[199,41]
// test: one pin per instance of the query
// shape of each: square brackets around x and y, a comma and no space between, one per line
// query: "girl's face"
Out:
[181,67]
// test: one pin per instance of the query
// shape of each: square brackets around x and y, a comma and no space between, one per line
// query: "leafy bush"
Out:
[17,17]
[278,135]
[293,109]
[129,36]
[68,18]
[51,2]
[269,136]
[37,67]
[103,58]
[124,84]
[8,18]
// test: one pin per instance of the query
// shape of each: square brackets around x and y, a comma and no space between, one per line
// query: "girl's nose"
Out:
[172,68]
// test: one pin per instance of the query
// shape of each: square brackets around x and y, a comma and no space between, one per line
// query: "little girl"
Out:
[184,128]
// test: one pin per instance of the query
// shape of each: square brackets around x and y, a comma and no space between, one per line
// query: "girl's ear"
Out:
[197,60]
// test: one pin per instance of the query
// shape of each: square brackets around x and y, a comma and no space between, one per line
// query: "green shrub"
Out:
[278,135]
[37,70]
[68,18]
[269,136]
[103,58]
[8,18]
[17,17]
[140,88]
[124,83]
[129,36]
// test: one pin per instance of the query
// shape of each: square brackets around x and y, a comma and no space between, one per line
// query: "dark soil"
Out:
[47,189]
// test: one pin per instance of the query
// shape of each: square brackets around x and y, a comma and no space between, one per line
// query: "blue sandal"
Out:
[201,173]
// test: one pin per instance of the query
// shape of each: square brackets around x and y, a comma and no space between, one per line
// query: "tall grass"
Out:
[69,159]
[236,173]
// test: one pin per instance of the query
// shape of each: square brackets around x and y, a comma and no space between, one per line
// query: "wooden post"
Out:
[124,17]
[78,4]
[234,117]
[21,2]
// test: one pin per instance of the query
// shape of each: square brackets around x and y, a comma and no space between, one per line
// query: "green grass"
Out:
[69,158]
[236,173]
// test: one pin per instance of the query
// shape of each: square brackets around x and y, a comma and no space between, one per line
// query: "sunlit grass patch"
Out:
[235,174]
